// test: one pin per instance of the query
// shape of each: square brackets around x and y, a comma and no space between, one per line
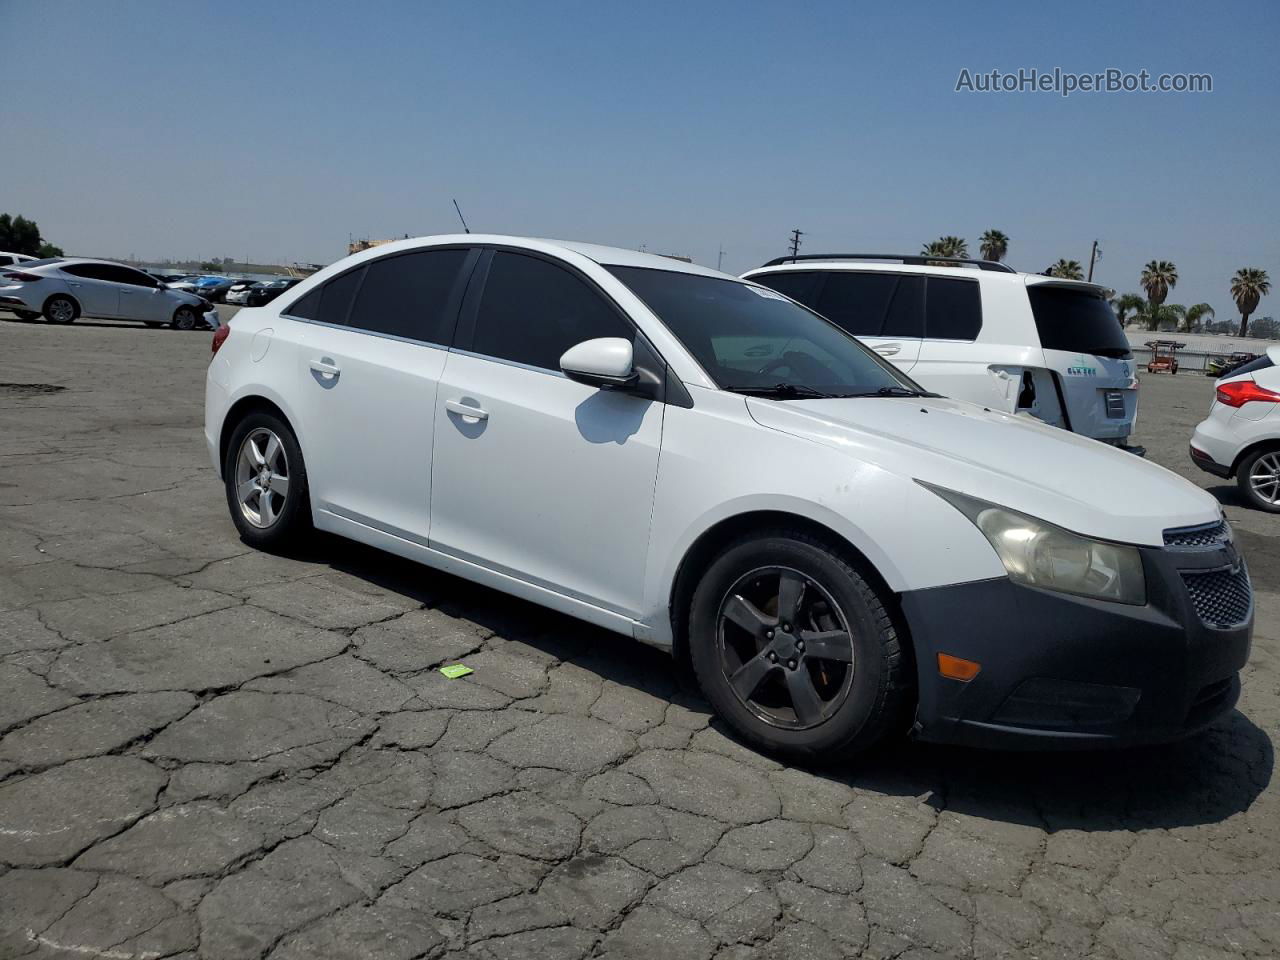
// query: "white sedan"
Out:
[1241,436]
[702,464]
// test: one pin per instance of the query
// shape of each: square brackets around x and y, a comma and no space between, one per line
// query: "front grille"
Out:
[1115,404]
[1205,535]
[1222,598]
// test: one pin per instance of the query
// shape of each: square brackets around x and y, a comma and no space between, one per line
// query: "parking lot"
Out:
[209,751]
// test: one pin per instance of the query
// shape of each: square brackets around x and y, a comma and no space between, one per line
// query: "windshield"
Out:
[751,339]
[1077,321]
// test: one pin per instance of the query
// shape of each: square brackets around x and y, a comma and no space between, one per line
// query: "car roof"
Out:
[941,270]
[600,254]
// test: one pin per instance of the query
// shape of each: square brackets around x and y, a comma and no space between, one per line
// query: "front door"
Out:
[534,475]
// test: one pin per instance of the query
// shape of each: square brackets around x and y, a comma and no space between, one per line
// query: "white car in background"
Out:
[976,330]
[1241,436]
[700,463]
[62,289]
[10,259]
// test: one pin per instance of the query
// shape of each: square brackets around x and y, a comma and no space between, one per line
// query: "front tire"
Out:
[1258,477]
[61,309]
[795,648]
[266,483]
[184,318]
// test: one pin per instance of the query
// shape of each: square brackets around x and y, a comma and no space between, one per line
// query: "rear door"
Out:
[370,357]
[93,286]
[1089,356]
[951,361]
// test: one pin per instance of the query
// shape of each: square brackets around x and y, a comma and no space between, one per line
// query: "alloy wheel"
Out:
[262,478]
[785,647]
[62,311]
[1264,478]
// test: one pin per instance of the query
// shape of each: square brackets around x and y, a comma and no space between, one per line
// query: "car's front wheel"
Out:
[1259,479]
[266,483]
[795,648]
[184,318]
[60,309]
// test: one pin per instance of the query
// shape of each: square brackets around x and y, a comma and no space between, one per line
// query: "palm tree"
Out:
[993,245]
[1248,286]
[1066,270]
[1126,303]
[954,247]
[1195,316]
[1158,278]
[1166,316]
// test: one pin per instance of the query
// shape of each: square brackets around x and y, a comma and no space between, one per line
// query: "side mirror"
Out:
[605,362]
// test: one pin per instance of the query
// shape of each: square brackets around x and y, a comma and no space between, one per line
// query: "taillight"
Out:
[1239,392]
[23,277]
[220,336]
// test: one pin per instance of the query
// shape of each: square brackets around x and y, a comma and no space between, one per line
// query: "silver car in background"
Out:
[61,289]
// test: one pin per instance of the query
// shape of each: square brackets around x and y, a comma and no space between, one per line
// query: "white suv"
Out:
[976,330]
[1241,435]
[702,464]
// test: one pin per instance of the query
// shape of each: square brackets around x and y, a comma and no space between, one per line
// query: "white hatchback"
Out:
[702,464]
[1241,436]
[976,330]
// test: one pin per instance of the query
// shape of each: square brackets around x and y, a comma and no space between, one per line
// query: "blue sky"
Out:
[274,130]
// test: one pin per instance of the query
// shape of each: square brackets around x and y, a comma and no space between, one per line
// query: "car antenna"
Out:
[465,228]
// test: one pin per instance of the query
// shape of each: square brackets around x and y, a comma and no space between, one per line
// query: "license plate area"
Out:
[1114,400]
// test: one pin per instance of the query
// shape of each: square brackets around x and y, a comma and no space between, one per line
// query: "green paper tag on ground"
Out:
[455,670]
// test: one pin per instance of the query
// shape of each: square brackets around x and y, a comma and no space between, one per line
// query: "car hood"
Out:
[1045,472]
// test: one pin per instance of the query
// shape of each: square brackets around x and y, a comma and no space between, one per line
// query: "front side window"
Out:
[750,339]
[532,311]
[953,309]
[134,278]
[1078,321]
[408,295]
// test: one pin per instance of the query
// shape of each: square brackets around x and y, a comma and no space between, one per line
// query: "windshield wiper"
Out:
[891,392]
[783,391]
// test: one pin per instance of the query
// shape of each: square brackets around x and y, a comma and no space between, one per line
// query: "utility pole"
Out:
[1094,255]
[795,242]
[720,258]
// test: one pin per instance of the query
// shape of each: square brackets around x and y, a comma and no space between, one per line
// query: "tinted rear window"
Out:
[954,310]
[1076,321]
[408,296]
[1258,363]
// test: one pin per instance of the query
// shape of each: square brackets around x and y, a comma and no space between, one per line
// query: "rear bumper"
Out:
[14,298]
[1068,672]
[1206,463]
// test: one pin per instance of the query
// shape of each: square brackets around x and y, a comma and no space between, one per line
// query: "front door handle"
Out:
[466,410]
[325,367]
[888,349]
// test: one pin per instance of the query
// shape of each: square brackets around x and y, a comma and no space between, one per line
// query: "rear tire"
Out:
[796,650]
[61,309]
[266,483]
[184,318]
[1258,477]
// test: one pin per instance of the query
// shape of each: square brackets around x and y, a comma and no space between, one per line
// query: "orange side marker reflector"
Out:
[956,668]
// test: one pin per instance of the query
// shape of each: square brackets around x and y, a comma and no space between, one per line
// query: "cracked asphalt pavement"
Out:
[209,751]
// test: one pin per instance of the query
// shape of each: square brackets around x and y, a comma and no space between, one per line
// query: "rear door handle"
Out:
[325,367]
[466,410]
[888,349]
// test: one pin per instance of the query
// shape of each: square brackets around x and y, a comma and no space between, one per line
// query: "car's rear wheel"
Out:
[266,483]
[796,650]
[1259,479]
[60,309]
[184,318]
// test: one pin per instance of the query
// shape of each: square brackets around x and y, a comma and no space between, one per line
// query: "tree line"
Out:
[20,235]
[1248,286]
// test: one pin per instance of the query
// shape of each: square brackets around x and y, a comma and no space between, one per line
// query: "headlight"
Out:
[1042,555]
